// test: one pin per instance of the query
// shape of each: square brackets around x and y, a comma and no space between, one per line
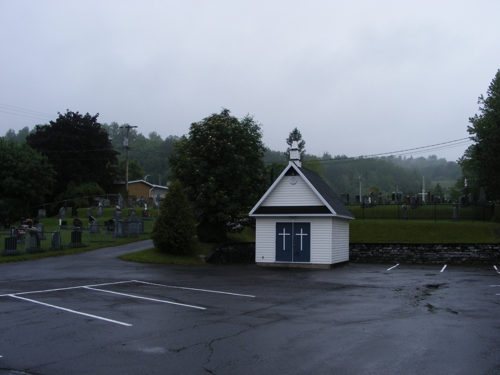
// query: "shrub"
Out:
[174,228]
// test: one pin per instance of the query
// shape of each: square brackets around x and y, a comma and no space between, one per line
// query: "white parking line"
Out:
[145,298]
[496,269]
[442,269]
[198,290]
[71,311]
[393,267]
[68,288]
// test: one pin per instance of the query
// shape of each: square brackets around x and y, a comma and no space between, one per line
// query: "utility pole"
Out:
[125,144]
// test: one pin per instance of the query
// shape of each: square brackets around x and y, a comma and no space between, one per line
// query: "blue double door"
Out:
[293,242]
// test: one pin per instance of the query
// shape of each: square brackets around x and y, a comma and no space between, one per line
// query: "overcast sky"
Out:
[355,77]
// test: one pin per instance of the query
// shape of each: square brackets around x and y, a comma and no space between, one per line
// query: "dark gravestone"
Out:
[110,225]
[119,228]
[55,241]
[347,198]
[77,223]
[10,246]
[357,199]
[76,238]
[74,211]
[94,226]
[134,229]
[412,202]
[42,212]
[117,214]
[455,213]
[471,198]
[64,225]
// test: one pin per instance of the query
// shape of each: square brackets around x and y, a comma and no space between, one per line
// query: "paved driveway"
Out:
[91,313]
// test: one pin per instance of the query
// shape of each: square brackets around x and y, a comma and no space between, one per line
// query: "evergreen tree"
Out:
[175,226]
[295,136]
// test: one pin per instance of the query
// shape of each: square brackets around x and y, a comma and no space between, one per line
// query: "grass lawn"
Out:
[52,224]
[361,231]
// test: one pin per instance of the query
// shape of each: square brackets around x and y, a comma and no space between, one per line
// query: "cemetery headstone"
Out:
[10,247]
[94,226]
[64,224]
[74,211]
[42,212]
[77,223]
[455,213]
[482,197]
[119,228]
[33,242]
[55,240]
[62,213]
[76,238]
[404,216]
[99,210]
[134,229]
[41,231]
[471,198]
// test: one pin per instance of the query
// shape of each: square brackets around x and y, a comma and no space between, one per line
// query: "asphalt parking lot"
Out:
[91,313]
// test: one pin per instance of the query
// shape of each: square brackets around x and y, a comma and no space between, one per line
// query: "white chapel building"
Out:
[300,221]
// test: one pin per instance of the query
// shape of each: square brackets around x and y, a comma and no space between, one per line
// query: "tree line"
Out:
[76,155]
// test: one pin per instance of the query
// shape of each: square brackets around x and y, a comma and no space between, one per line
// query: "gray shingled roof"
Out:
[326,192]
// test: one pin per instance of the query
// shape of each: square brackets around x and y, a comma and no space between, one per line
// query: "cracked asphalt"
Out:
[95,314]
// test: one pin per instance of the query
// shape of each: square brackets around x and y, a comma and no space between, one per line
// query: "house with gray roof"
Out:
[300,221]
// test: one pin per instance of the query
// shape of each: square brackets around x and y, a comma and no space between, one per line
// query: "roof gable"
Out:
[322,200]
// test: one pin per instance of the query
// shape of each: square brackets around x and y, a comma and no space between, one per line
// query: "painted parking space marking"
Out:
[195,289]
[393,267]
[97,287]
[71,311]
[145,298]
[444,267]
[68,288]
[496,269]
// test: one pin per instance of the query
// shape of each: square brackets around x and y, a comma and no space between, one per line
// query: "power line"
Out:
[19,109]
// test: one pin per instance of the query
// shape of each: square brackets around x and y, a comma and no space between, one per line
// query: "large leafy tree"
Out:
[481,161]
[78,148]
[26,177]
[220,165]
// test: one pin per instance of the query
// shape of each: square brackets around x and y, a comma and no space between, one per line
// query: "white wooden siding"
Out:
[321,239]
[286,194]
[265,232]
[340,240]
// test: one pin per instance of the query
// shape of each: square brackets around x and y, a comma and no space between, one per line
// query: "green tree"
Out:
[295,135]
[220,165]
[174,228]
[25,175]
[481,161]
[78,148]
[135,171]
[82,195]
